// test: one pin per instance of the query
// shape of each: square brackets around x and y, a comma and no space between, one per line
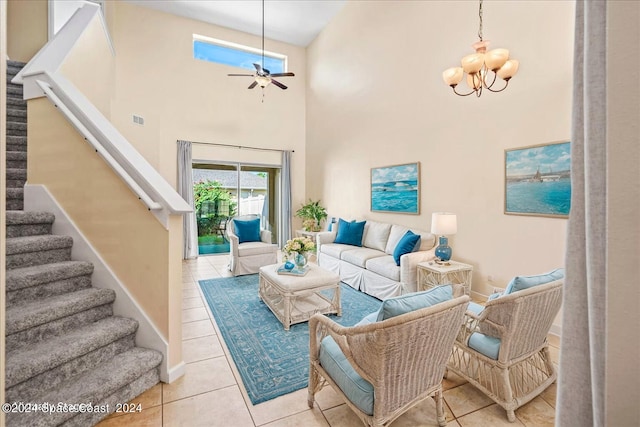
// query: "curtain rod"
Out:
[239,146]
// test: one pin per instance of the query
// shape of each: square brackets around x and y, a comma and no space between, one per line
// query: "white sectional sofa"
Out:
[371,268]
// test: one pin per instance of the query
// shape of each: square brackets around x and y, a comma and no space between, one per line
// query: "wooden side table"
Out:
[431,274]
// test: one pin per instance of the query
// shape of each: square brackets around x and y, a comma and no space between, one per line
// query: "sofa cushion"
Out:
[358,390]
[360,256]
[350,233]
[410,302]
[407,244]
[376,235]
[520,283]
[334,249]
[384,266]
[368,319]
[247,230]
[485,344]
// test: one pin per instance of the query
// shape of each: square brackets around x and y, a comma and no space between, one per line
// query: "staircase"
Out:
[63,343]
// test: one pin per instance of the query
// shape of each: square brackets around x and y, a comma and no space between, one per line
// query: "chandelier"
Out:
[482,68]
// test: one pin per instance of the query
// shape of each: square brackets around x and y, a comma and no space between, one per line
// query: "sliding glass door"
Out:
[225,190]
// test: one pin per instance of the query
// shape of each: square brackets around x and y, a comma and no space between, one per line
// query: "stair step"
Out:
[36,250]
[16,102]
[14,205]
[22,223]
[33,320]
[16,160]
[14,67]
[15,194]
[27,362]
[115,381]
[16,140]
[14,126]
[41,281]
[16,173]
[14,90]
[16,115]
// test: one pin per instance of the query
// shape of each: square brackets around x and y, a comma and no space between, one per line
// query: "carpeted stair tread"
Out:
[16,174]
[30,314]
[93,386]
[18,115]
[27,362]
[20,278]
[16,140]
[14,204]
[16,128]
[15,193]
[16,159]
[27,244]
[14,90]
[17,103]
[24,217]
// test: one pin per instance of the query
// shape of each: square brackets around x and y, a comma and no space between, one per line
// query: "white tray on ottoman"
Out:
[294,299]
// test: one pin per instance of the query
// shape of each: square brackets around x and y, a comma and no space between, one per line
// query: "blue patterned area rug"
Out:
[271,361]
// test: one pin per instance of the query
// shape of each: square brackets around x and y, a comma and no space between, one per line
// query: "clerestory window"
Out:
[223,52]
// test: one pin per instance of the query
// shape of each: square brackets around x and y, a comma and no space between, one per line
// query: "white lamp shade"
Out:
[452,76]
[472,63]
[509,69]
[496,58]
[444,223]
[263,81]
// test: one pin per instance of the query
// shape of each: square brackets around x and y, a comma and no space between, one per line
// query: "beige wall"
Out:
[92,52]
[184,98]
[379,100]
[131,241]
[26,27]
[623,212]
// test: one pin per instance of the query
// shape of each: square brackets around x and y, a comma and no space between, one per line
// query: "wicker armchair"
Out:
[403,358]
[523,368]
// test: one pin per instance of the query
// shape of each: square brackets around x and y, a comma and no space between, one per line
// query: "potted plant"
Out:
[312,215]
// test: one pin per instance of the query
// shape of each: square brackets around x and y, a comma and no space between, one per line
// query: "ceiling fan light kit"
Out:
[262,76]
[482,68]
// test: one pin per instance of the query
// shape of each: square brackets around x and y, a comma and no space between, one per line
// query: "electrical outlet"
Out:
[138,120]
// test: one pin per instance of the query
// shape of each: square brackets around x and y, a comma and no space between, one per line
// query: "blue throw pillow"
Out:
[520,283]
[247,231]
[405,245]
[350,233]
[396,306]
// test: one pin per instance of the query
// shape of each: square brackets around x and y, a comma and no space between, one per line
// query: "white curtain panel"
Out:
[581,389]
[185,189]
[286,213]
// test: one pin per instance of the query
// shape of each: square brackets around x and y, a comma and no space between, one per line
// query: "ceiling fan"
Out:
[263,77]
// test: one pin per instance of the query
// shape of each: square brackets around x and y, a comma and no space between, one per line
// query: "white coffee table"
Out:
[294,299]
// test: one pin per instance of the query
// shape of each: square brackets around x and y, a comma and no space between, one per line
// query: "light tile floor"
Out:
[211,393]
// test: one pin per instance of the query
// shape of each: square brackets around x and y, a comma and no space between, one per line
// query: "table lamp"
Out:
[443,224]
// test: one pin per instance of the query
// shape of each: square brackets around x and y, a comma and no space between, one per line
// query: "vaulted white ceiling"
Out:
[296,22]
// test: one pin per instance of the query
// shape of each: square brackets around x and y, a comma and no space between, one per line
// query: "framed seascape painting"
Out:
[538,180]
[396,189]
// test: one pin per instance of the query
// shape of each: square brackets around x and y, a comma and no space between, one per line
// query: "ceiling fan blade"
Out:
[243,75]
[266,72]
[258,67]
[277,83]
[252,85]
[283,75]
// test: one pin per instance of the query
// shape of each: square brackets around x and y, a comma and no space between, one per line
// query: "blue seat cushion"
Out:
[247,230]
[368,319]
[350,233]
[406,245]
[485,344]
[520,283]
[475,308]
[414,301]
[358,390]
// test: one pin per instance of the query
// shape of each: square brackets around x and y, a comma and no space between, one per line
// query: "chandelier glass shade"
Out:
[482,68]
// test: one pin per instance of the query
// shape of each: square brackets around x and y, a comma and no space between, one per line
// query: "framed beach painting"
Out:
[396,189]
[538,180]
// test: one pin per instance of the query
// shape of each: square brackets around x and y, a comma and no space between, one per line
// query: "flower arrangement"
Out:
[300,245]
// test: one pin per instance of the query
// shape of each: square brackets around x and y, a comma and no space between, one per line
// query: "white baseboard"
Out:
[38,198]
